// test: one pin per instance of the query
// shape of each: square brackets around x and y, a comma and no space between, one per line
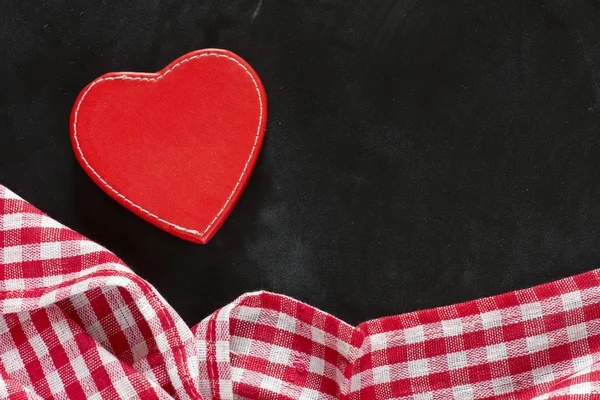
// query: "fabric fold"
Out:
[95,327]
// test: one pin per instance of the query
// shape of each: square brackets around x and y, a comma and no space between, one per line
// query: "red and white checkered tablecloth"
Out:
[77,323]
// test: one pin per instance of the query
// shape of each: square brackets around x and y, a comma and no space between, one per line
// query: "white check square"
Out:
[571,301]
[381,374]
[531,311]
[577,332]
[452,327]
[418,368]
[491,319]
[542,375]
[457,360]
[502,385]
[414,335]
[537,343]
[496,352]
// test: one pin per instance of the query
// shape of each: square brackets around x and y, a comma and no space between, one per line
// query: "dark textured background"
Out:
[418,153]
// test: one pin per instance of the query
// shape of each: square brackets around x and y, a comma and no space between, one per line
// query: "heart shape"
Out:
[175,147]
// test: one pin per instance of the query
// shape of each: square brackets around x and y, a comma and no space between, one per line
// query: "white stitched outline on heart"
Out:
[156,79]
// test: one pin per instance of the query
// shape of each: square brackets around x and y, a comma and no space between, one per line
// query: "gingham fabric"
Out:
[77,323]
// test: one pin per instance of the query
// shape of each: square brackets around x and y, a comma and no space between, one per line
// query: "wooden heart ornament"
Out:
[175,147]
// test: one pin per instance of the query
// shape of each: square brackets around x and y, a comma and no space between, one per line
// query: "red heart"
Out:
[176,147]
